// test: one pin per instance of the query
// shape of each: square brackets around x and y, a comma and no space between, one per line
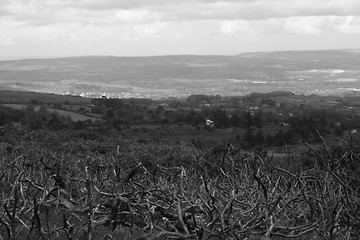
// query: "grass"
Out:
[73,115]
[7,96]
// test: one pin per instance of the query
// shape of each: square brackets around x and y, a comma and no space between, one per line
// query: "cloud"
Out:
[97,22]
[42,11]
[304,25]
[347,25]
[137,16]
[6,40]
[233,27]
[130,4]
[3,12]
[28,12]
[265,8]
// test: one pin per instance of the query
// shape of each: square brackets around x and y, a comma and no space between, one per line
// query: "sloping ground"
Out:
[59,185]
[7,96]
[73,115]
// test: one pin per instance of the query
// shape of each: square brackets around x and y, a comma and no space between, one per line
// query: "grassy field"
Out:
[73,115]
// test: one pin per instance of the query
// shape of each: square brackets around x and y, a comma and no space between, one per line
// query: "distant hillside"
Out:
[31,97]
[313,56]
[320,72]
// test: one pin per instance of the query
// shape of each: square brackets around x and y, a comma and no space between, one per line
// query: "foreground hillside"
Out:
[81,185]
[332,72]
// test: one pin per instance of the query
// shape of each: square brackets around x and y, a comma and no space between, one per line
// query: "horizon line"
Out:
[18,58]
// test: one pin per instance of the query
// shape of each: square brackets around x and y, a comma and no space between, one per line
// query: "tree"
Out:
[220,117]
[109,114]
[235,120]
[338,131]
[249,138]
[279,138]
[248,119]
[194,118]
[259,138]
[258,118]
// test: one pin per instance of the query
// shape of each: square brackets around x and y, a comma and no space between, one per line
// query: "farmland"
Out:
[257,119]
[332,72]
[273,166]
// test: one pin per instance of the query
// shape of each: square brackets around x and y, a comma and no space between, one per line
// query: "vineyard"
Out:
[80,185]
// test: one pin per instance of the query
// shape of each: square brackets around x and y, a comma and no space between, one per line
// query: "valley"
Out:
[254,146]
[333,72]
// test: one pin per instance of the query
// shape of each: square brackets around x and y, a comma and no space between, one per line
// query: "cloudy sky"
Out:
[50,28]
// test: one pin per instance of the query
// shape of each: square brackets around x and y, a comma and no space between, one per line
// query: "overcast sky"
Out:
[50,28]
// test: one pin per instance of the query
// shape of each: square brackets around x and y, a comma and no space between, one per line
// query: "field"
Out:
[74,116]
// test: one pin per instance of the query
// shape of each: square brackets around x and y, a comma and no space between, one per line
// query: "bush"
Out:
[161,191]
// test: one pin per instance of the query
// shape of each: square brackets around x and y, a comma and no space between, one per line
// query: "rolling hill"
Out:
[327,72]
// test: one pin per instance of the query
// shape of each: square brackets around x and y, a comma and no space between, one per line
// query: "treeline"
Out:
[269,126]
[264,127]
[310,124]
[120,112]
